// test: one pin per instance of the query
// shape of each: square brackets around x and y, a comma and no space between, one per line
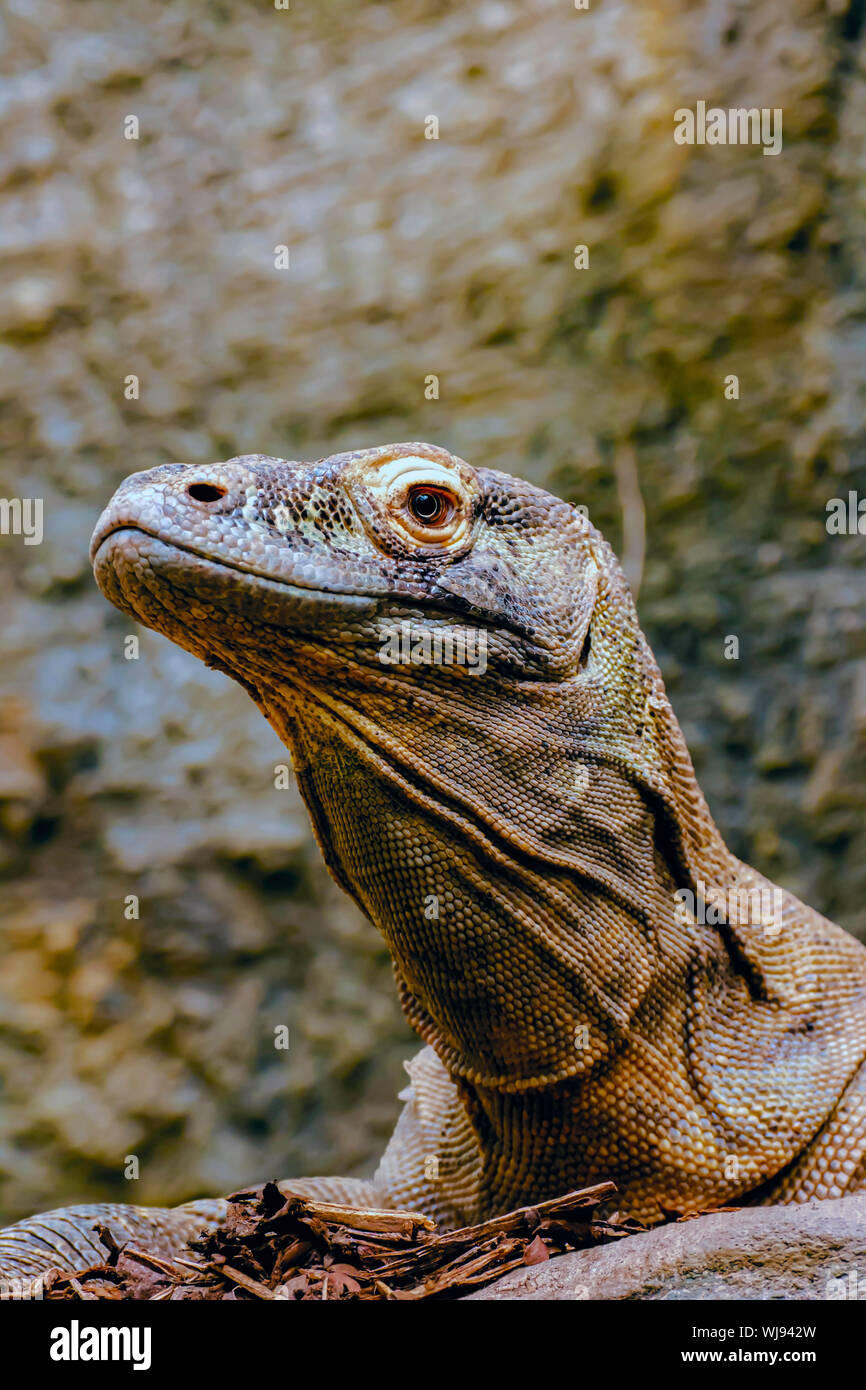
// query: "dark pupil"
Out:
[426,506]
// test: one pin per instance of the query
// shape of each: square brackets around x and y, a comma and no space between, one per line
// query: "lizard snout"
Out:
[179,503]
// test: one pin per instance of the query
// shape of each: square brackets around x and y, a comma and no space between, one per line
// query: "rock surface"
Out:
[154,1037]
[814,1251]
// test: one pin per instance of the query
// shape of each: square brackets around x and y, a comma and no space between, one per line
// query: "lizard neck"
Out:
[529,922]
[522,861]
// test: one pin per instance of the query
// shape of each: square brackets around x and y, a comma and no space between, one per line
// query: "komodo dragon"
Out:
[599,995]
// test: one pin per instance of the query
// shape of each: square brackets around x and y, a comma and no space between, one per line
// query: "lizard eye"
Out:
[430,506]
[420,505]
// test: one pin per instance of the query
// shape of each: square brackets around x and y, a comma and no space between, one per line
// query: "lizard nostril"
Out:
[206,492]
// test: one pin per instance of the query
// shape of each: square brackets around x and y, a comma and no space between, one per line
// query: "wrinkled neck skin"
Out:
[523,877]
[521,853]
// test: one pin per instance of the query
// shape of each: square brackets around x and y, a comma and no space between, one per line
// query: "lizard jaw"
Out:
[216,610]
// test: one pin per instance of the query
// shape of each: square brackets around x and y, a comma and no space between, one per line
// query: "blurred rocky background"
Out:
[409,256]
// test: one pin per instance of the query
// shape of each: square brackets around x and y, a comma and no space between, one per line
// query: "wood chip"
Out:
[277,1244]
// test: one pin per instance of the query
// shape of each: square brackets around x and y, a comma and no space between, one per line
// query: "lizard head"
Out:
[235,559]
[454,660]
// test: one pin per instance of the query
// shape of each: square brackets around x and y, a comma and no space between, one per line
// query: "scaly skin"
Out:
[519,833]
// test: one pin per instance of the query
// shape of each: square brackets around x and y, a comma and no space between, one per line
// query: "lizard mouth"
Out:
[186,593]
[99,558]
